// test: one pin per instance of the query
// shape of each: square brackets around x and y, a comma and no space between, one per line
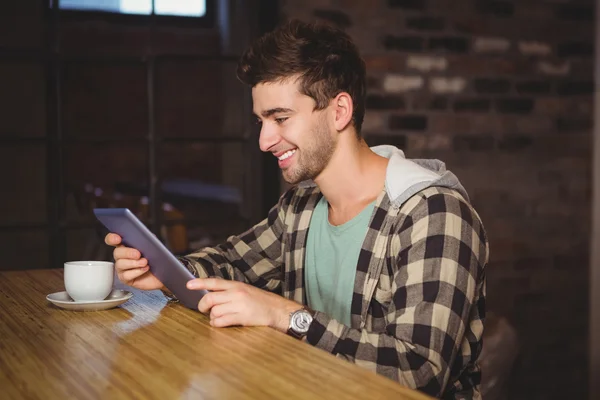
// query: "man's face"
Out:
[297,134]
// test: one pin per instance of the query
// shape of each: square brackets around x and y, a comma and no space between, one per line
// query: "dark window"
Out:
[181,8]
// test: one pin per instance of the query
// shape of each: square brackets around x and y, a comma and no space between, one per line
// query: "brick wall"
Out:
[502,92]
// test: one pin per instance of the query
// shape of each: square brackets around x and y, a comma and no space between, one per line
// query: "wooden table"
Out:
[151,349]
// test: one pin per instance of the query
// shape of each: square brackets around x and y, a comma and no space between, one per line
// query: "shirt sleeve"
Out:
[254,257]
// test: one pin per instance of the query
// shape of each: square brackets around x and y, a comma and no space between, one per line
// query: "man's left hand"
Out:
[237,303]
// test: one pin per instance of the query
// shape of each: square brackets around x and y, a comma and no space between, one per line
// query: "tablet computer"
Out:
[163,264]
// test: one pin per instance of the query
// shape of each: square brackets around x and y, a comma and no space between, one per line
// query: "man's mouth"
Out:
[286,155]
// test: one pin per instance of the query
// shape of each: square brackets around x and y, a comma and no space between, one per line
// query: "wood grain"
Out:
[149,348]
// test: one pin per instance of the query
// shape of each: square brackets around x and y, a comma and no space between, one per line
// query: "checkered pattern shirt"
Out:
[418,303]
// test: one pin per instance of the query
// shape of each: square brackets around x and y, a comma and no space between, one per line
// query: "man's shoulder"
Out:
[441,203]
[436,193]
[438,200]
[441,212]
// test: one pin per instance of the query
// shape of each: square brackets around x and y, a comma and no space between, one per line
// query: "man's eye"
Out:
[258,121]
[280,120]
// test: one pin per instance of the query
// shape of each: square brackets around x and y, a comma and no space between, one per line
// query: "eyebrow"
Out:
[271,111]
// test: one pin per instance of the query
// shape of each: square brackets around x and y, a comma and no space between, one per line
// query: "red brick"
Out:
[490,66]
[382,63]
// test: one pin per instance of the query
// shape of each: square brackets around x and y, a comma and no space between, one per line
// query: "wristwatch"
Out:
[300,321]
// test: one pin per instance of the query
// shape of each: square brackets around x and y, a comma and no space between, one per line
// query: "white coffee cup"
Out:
[89,280]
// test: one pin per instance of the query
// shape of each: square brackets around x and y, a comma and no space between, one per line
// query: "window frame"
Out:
[208,20]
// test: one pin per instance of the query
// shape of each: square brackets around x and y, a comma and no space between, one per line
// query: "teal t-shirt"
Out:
[331,260]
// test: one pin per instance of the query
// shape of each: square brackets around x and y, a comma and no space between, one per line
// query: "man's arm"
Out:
[254,257]
[437,283]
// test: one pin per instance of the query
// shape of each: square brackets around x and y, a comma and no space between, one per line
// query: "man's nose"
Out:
[268,138]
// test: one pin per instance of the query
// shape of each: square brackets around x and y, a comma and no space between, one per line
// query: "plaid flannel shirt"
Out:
[419,293]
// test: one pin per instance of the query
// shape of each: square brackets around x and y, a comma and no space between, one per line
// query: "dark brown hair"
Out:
[324,57]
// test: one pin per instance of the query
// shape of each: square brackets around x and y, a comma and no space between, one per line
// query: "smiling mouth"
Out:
[286,155]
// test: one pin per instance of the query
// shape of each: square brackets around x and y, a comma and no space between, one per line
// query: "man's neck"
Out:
[354,177]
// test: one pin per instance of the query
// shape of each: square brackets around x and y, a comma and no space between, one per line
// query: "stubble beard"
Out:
[313,158]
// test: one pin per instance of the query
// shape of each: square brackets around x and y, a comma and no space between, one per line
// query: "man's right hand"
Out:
[132,269]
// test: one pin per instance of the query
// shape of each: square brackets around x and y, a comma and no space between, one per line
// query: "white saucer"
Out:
[115,298]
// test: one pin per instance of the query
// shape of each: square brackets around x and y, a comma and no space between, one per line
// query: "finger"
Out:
[226,320]
[126,253]
[127,264]
[220,310]
[211,284]
[112,239]
[132,274]
[212,299]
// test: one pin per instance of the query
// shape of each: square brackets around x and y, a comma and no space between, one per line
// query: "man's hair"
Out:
[325,59]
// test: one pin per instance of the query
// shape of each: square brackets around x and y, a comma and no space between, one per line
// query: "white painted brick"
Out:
[429,142]
[554,69]
[534,48]
[402,83]
[490,45]
[447,85]
[427,63]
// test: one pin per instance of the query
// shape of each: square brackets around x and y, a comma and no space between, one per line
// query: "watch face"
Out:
[301,321]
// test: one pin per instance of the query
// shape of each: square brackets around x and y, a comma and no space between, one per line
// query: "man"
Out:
[370,256]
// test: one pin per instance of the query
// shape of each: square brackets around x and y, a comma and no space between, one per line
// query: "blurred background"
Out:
[135,103]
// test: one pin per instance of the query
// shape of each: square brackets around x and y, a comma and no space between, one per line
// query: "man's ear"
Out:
[343,107]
